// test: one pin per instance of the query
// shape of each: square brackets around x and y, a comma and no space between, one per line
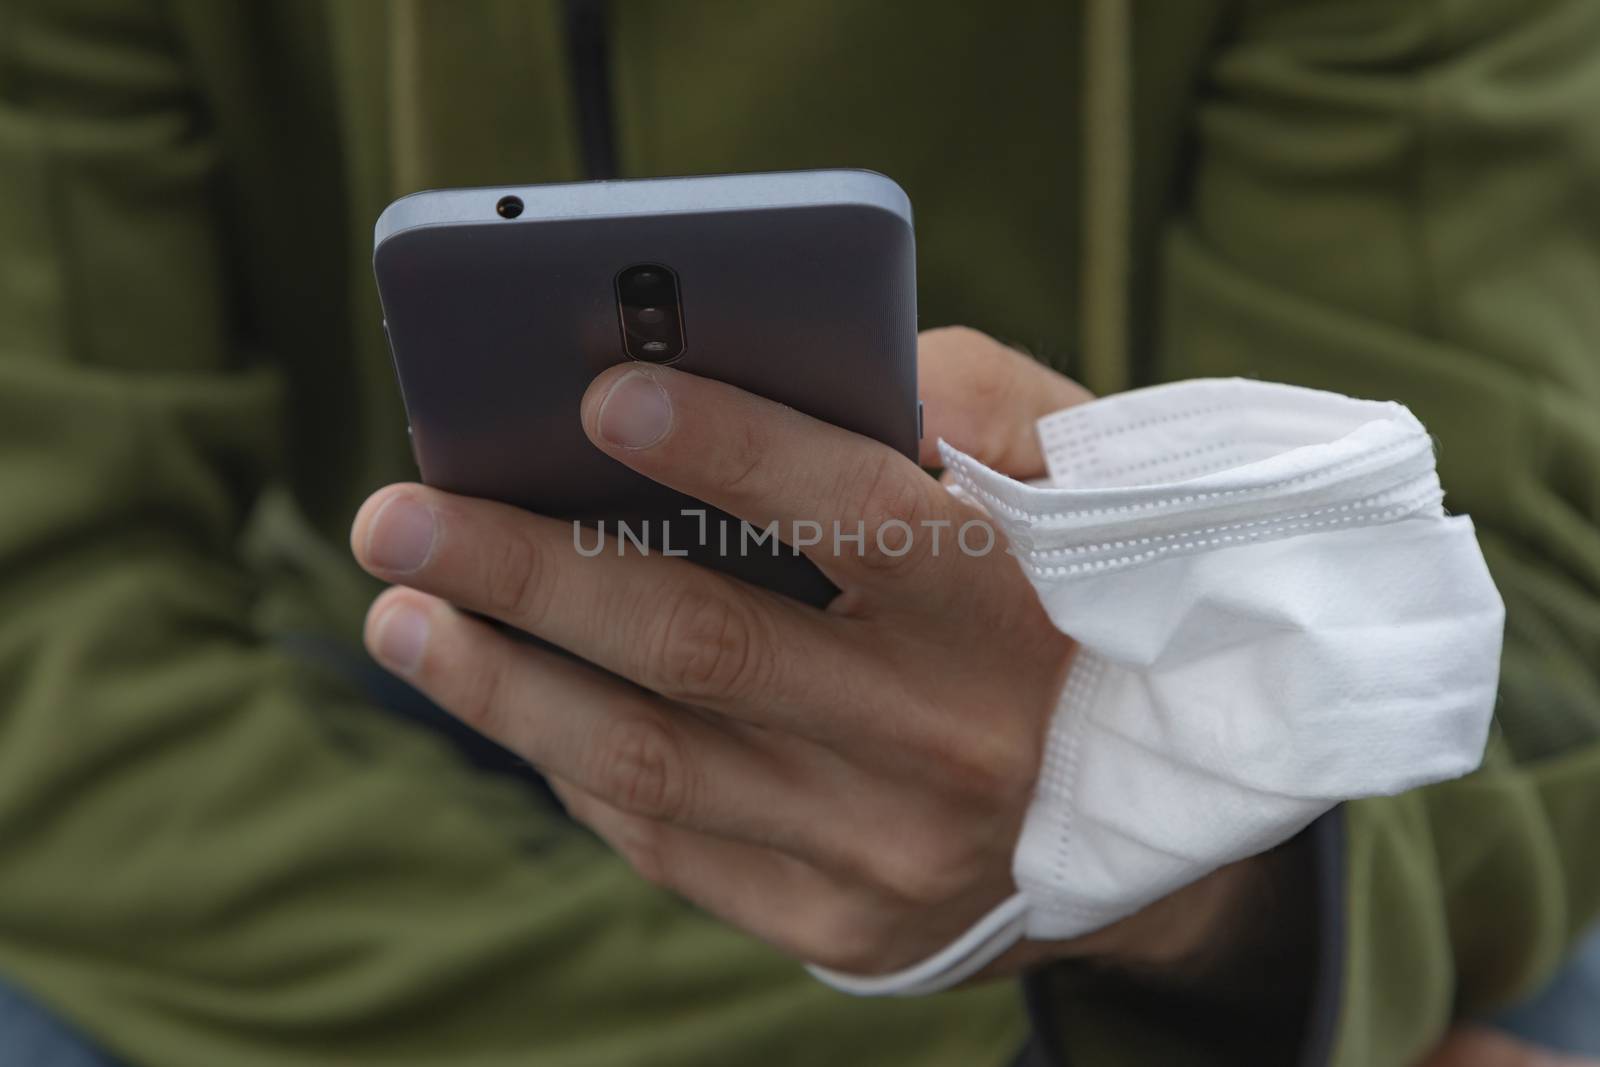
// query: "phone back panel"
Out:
[799,287]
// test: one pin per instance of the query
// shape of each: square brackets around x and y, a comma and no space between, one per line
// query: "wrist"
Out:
[1223,968]
[1241,937]
[1182,930]
[1228,921]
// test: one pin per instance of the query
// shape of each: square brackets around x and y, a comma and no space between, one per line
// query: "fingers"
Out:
[766,463]
[676,629]
[784,901]
[664,785]
[984,398]
[738,882]
[611,739]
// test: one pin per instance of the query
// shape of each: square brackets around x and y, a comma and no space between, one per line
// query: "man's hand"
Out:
[1479,1046]
[847,784]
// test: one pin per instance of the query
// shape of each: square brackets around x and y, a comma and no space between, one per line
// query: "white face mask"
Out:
[1273,613]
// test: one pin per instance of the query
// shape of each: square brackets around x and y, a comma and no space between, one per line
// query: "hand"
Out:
[1479,1046]
[848,783]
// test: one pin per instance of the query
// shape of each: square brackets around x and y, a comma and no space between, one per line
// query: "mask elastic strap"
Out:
[968,954]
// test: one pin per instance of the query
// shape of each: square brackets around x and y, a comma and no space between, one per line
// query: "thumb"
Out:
[983,398]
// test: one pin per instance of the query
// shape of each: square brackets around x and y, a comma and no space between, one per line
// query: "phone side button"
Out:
[411,439]
[919,420]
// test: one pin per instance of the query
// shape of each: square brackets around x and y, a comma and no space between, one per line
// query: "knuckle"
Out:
[920,871]
[517,577]
[994,395]
[990,391]
[893,503]
[959,353]
[642,770]
[639,843]
[962,829]
[994,765]
[708,647]
[843,935]
[742,460]
[482,705]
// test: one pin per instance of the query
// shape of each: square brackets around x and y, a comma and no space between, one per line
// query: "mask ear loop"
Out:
[981,945]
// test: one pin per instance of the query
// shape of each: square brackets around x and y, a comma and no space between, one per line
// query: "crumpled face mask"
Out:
[1274,614]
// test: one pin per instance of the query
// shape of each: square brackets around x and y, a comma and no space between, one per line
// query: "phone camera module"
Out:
[650,310]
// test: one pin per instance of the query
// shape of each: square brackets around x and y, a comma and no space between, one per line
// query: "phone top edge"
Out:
[619,198]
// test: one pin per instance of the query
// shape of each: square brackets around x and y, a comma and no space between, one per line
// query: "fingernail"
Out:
[636,412]
[400,638]
[402,536]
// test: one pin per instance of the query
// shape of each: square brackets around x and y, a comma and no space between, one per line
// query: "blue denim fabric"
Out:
[1564,1015]
[30,1036]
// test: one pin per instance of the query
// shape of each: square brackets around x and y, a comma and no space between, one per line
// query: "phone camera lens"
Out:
[650,311]
[509,207]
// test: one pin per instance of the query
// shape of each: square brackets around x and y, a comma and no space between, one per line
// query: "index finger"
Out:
[985,399]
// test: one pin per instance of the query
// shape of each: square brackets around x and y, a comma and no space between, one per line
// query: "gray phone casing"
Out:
[797,286]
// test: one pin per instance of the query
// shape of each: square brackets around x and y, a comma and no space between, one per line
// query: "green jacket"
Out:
[214,852]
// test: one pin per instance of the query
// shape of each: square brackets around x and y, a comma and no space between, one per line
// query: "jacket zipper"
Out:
[589,68]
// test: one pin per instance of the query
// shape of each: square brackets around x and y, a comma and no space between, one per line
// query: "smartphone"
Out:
[502,304]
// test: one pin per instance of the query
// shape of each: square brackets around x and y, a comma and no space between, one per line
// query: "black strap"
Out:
[1044,1043]
[589,66]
